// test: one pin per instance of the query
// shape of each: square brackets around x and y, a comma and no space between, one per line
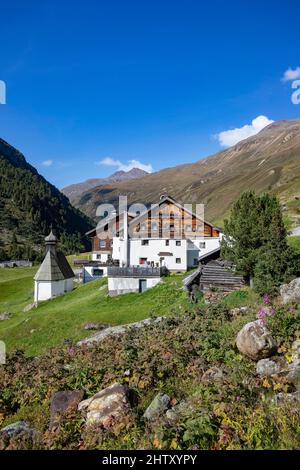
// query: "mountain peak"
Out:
[75,190]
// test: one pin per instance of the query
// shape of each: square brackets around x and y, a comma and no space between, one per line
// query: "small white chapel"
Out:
[55,276]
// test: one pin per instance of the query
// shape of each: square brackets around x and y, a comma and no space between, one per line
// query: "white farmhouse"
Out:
[167,236]
[55,276]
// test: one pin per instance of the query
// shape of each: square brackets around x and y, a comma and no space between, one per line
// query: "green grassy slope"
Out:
[294,242]
[64,317]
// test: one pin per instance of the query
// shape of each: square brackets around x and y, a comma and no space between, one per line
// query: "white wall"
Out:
[155,246]
[69,285]
[124,285]
[194,250]
[88,273]
[98,256]
[188,251]
[44,290]
[116,248]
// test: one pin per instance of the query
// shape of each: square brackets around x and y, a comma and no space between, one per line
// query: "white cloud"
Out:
[291,74]
[108,161]
[233,136]
[47,162]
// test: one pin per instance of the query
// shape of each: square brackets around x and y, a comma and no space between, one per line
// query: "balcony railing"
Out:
[86,262]
[136,271]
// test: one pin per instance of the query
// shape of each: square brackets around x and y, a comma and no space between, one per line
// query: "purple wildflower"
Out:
[266,299]
[71,351]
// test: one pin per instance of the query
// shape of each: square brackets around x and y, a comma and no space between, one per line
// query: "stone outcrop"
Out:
[96,326]
[272,366]
[290,293]
[62,402]
[107,407]
[255,342]
[118,330]
[214,374]
[5,316]
[157,407]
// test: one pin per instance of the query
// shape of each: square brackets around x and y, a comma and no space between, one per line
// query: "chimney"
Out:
[125,236]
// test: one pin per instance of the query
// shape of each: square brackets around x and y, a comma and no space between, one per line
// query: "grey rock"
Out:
[214,374]
[62,402]
[106,407]
[157,407]
[29,307]
[296,352]
[269,367]
[17,428]
[172,416]
[255,341]
[290,293]
[5,316]
[239,311]
[293,397]
[293,375]
[119,330]
[96,326]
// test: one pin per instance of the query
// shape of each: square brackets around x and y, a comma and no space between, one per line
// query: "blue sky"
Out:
[151,81]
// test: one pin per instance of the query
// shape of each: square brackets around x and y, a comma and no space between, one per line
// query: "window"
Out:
[167,242]
[98,256]
[143,227]
[154,226]
[145,242]
[202,245]
[195,261]
[178,243]
[188,228]
[98,272]
[102,243]
[178,260]
[143,261]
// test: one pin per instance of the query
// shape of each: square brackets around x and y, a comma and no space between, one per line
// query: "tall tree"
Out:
[256,241]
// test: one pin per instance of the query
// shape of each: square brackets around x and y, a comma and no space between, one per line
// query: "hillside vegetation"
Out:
[239,410]
[29,206]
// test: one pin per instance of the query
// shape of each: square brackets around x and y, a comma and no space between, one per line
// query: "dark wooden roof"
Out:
[54,267]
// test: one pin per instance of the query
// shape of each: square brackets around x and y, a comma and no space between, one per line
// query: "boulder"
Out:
[157,407]
[61,402]
[177,412]
[238,312]
[4,316]
[214,374]
[29,307]
[290,293]
[119,330]
[296,352]
[293,397]
[106,407]
[96,326]
[293,374]
[255,342]
[269,367]
[17,428]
